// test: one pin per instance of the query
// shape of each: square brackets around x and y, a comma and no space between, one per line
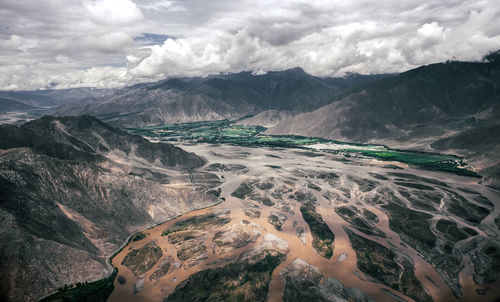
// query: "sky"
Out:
[111,43]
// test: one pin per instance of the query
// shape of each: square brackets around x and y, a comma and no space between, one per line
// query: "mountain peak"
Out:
[296,70]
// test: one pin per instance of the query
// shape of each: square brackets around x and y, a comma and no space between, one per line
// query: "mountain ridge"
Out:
[73,189]
[412,110]
[229,96]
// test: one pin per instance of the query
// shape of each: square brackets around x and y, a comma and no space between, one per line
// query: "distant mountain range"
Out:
[446,107]
[52,98]
[215,97]
[73,189]
[431,108]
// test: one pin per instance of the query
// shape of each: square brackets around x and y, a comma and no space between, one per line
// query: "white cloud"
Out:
[110,42]
[431,31]
[20,43]
[74,43]
[116,12]
[176,57]
[164,5]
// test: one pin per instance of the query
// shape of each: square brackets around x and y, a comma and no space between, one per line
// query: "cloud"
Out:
[118,42]
[112,42]
[164,5]
[176,57]
[116,12]
[20,43]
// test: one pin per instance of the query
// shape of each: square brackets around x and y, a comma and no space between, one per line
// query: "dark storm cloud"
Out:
[43,42]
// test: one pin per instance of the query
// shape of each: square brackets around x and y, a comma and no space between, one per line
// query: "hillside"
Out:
[216,97]
[73,189]
[415,109]
[7,104]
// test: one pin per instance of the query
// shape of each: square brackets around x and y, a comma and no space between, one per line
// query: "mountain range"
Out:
[73,190]
[451,107]
[430,108]
[75,187]
[215,97]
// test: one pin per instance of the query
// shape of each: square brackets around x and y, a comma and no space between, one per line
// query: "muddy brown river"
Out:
[293,169]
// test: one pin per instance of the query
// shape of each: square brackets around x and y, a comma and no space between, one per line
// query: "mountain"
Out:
[268,118]
[7,104]
[226,96]
[52,97]
[417,109]
[67,137]
[73,190]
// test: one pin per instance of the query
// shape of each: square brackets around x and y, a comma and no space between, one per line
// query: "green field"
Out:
[222,132]
[227,132]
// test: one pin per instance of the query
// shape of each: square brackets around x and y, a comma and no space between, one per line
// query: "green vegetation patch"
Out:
[364,184]
[181,236]
[370,215]
[410,285]
[222,131]
[314,187]
[143,259]
[450,229]
[277,220]
[242,191]
[470,212]
[303,197]
[205,222]
[380,263]
[227,132]
[322,235]
[273,166]
[487,263]
[497,222]
[413,224]
[414,185]
[190,250]
[374,259]
[427,161]
[98,291]
[230,239]
[354,218]
[244,280]
[422,200]
[138,236]
[163,269]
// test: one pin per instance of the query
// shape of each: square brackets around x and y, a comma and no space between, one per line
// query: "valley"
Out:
[230,132]
[297,223]
[280,186]
[249,151]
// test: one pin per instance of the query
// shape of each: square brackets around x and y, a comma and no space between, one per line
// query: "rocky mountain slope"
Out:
[216,97]
[73,189]
[455,101]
